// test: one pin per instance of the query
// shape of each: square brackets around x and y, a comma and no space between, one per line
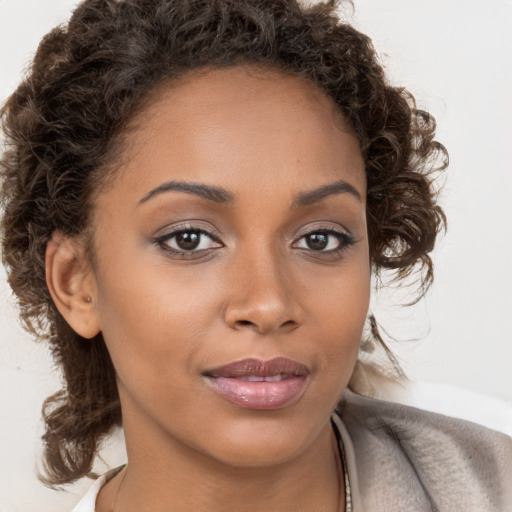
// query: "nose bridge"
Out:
[261,294]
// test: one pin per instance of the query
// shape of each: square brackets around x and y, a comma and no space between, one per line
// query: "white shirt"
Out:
[88,502]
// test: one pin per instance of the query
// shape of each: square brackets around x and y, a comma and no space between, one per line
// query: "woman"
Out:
[196,194]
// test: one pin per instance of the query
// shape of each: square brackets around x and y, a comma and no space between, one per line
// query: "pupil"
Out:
[317,241]
[188,241]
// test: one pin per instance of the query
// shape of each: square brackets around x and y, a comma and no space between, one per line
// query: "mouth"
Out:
[257,384]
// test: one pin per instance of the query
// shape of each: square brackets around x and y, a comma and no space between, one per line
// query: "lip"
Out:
[256,384]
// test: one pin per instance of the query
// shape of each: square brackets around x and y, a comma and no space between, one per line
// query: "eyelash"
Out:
[345,241]
[162,242]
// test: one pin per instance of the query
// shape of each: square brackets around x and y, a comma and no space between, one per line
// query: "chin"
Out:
[267,442]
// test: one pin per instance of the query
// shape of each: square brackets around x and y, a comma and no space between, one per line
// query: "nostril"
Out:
[289,324]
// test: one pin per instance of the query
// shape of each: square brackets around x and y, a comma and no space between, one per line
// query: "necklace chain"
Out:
[119,491]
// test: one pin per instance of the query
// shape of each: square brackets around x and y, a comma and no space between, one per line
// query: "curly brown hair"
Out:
[64,129]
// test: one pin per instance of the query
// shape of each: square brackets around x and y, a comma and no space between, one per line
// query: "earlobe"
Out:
[72,284]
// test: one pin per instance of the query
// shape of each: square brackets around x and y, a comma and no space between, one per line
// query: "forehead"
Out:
[246,89]
[256,125]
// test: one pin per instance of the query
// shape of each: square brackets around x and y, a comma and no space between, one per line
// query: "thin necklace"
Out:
[348,493]
[119,490]
[339,473]
[341,465]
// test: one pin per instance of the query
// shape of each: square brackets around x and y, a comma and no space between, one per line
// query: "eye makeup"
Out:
[190,241]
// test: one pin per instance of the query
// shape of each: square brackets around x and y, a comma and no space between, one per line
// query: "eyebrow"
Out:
[313,196]
[223,196]
[210,192]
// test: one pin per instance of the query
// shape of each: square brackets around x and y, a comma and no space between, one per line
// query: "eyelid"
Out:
[323,226]
[188,225]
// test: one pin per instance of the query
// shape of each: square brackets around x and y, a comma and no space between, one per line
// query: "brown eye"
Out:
[189,240]
[317,241]
[325,241]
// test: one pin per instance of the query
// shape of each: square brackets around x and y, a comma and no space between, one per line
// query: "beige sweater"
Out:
[403,459]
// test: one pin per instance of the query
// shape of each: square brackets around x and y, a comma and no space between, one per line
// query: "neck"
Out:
[167,477]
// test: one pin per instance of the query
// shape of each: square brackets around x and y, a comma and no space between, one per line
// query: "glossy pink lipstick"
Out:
[256,384]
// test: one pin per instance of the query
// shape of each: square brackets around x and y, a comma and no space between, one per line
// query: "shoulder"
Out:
[425,460]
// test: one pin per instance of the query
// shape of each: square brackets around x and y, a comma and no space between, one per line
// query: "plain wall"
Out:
[455,56]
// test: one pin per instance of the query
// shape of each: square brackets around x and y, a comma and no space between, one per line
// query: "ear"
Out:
[72,284]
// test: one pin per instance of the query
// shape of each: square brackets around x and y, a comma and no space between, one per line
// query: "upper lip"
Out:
[260,368]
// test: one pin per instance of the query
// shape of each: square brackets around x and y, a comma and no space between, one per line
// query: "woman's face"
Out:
[232,268]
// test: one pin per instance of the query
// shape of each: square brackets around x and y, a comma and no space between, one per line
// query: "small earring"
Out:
[88,298]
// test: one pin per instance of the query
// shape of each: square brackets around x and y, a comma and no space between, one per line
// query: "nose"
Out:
[263,295]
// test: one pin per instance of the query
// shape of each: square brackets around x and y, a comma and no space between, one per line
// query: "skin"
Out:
[257,289]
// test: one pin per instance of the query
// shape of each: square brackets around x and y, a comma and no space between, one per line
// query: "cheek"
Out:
[148,318]
[154,340]
[340,310]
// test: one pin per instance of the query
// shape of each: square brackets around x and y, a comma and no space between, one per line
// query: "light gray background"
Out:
[455,56]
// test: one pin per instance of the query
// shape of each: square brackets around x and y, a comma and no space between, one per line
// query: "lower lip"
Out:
[258,395]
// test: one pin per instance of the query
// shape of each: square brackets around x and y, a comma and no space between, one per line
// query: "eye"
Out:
[187,240]
[325,240]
